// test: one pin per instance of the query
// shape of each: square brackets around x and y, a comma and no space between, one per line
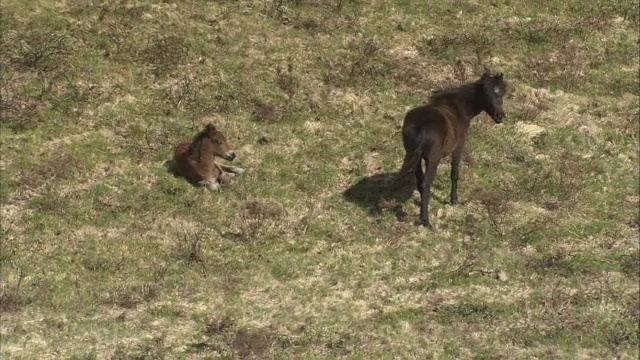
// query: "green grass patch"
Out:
[312,253]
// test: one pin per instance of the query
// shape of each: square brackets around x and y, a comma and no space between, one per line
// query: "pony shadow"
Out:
[382,192]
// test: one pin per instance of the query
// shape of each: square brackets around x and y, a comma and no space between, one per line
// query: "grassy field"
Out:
[105,255]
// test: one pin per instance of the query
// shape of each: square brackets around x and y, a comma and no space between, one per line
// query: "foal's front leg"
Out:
[455,173]
[232,169]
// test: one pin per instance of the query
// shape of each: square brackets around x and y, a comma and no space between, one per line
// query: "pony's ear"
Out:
[486,74]
[210,126]
[500,75]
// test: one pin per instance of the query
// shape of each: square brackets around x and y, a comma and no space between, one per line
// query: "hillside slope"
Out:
[104,254]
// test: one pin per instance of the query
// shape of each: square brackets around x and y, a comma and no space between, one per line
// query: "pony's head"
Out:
[219,144]
[493,89]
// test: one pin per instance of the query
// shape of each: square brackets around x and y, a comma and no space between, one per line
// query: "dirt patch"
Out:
[252,344]
[264,209]
[11,302]
[264,112]
[216,326]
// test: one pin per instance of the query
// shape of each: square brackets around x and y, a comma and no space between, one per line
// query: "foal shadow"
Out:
[170,165]
[381,192]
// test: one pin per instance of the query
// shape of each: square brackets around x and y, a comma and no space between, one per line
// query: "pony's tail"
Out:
[409,165]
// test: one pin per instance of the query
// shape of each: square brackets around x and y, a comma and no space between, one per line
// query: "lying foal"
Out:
[195,160]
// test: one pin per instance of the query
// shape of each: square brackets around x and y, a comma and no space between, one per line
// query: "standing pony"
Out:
[195,160]
[440,128]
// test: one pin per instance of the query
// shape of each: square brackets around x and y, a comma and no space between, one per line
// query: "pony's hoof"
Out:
[426,224]
[239,171]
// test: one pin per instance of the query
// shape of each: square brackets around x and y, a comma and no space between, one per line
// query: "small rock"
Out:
[263,140]
[552,205]
[502,276]
[122,316]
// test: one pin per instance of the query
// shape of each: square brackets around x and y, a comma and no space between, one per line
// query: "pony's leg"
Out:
[432,167]
[455,173]
[211,185]
[419,175]
[232,169]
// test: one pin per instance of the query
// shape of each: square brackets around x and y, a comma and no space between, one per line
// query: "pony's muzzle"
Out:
[230,155]
[499,118]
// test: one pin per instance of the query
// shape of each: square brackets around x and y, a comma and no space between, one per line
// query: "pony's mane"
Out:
[199,136]
[197,140]
[449,93]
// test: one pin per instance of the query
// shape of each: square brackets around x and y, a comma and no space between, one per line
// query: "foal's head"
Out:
[493,89]
[217,141]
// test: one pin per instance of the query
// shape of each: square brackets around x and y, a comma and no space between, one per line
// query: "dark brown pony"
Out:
[195,160]
[440,128]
